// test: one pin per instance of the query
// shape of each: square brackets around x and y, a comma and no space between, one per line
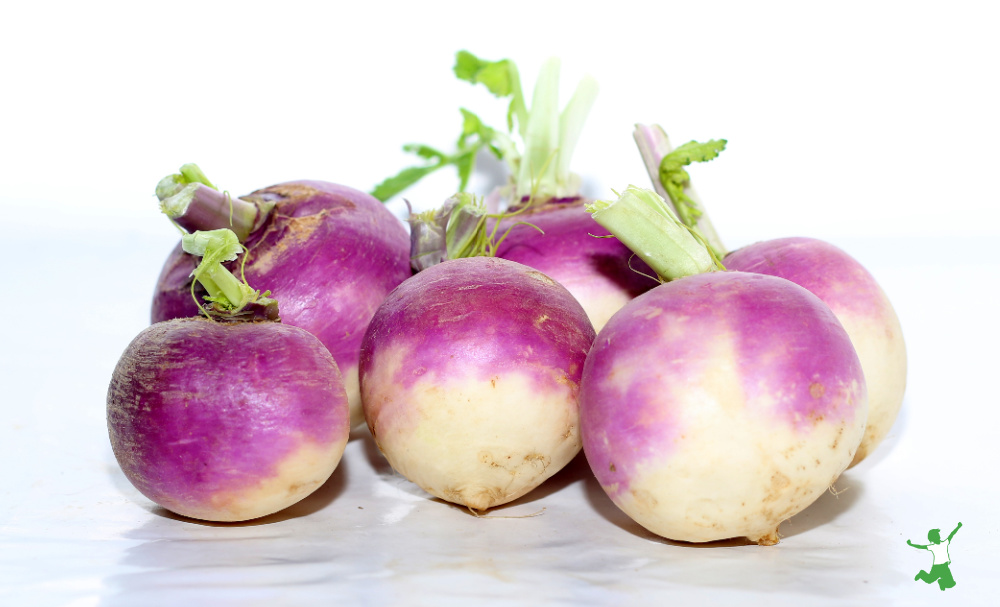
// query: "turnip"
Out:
[721,403]
[470,373]
[825,270]
[595,270]
[328,252]
[228,419]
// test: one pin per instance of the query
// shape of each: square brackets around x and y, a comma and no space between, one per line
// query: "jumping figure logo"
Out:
[940,570]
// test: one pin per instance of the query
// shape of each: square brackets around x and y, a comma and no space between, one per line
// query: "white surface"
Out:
[871,126]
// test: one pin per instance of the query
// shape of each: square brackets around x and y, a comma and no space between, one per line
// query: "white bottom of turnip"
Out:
[735,470]
[296,476]
[599,296]
[701,497]
[477,442]
[878,340]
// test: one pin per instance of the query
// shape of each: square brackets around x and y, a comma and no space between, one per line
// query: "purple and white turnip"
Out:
[229,419]
[839,280]
[470,374]
[718,404]
[328,252]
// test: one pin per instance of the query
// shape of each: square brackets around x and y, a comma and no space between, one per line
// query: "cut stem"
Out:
[228,297]
[195,204]
[654,145]
[646,224]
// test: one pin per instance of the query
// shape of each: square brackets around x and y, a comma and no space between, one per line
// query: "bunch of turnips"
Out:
[714,393]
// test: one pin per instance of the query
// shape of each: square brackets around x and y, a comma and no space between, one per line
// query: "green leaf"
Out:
[465,163]
[674,178]
[692,151]
[424,151]
[473,126]
[502,79]
[467,66]
[495,75]
[402,180]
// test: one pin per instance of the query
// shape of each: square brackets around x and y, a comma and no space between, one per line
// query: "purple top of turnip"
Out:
[498,304]
[827,271]
[569,248]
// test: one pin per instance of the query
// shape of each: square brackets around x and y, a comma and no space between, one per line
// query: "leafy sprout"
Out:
[543,131]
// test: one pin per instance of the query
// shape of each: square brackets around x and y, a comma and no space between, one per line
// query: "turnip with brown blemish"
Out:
[718,404]
[470,376]
[843,284]
[328,252]
[228,419]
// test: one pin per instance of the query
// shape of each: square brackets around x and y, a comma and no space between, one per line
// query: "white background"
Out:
[869,124]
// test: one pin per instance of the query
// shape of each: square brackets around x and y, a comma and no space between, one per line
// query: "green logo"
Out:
[941,568]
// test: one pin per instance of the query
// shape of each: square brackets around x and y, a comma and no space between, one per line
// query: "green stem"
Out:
[195,204]
[459,229]
[644,222]
[570,126]
[229,286]
[214,291]
[654,145]
[193,174]
[541,137]
[229,298]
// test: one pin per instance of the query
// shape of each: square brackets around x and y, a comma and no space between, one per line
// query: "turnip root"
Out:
[835,277]
[861,307]
[227,420]
[469,379]
[328,252]
[719,404]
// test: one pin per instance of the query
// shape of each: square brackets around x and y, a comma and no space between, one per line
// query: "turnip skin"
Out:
[860,305]
[470,376]
[329,253]
[595,270]
[721,404]
[227,422]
